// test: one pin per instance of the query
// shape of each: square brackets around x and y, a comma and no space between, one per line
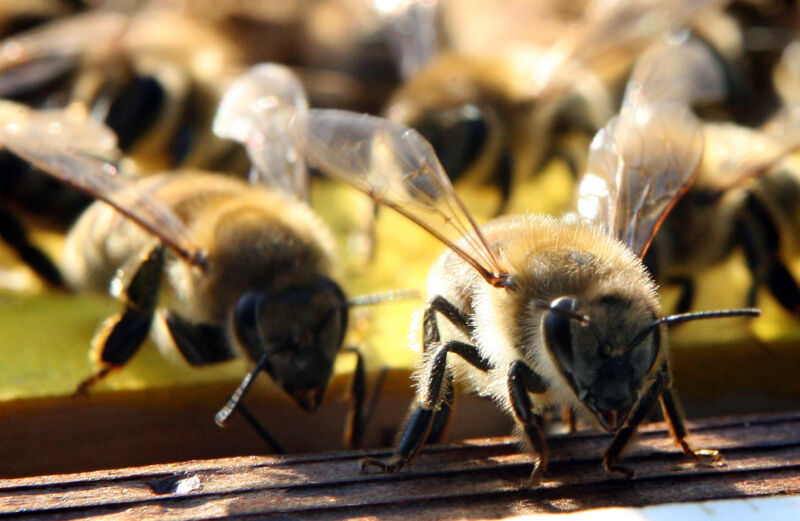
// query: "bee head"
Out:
[605,359]
[300,330]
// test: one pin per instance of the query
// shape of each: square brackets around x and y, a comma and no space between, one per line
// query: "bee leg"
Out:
[432,337]
[506,181]
[355,422]
[674,418]
[521,381]
[761,241]
[686,298]
[276,447]
[204,344]
[121,335]
[441,419]
[13,233]
[200,344]
[637,416]
[784,287]
[421,420]
[571,148]
[568,417]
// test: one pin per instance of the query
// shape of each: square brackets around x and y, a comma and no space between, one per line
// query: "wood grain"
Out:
[484,478]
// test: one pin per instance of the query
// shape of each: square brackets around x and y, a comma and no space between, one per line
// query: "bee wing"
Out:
[71,149]
[737,154]
[411,32]
[397,167]
[40,54]
[639,165]
[680,69]
[70,127]
[612,32]
[255,111]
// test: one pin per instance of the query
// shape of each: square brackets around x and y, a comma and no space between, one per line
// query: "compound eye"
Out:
[245,323]
[457,135]
[558,332]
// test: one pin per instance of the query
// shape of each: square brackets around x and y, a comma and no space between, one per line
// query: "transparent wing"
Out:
[680,69]
[397,167]
[72,149]
[69,128]
[411,32]
[611,33]
[736,154]
[35,56]
[639,165]
[255,111]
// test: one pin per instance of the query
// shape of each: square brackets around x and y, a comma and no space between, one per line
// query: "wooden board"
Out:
[476,479]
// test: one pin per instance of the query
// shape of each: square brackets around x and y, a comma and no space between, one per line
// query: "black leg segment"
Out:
[121,335]
[520,378]
[355,422]
[13,233]
[200,344]
[421,420]
[637,416]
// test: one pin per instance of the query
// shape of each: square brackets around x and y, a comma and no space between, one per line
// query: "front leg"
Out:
[430,338]
[14,234]
[200,344]
[120,336]
[521,381]
[637,416]
[355,423]
[674,418]
[421,420]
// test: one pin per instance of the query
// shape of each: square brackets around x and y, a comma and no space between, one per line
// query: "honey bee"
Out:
[744,197]
[153,77]
[538,311]
[500,117]
[210,264]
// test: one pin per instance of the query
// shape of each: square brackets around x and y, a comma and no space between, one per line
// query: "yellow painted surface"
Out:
[45,336]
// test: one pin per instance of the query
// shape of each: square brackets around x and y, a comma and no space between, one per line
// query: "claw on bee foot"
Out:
[706,457]
[628,473]
[379,466]
[535,478]
[82,389]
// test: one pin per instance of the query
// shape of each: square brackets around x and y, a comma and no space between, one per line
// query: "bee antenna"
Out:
[234,401]
[383,296]
[698,315]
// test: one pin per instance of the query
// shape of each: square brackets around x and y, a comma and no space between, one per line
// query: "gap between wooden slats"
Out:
[762,457]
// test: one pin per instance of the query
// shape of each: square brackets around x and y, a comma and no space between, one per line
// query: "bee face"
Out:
[300,329]
[605,362]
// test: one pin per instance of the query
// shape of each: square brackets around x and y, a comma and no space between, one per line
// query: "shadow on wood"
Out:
[475,479]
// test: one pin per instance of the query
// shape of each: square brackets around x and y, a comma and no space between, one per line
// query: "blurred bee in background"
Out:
[153,77]
[765,28]
[214,266]
[745,197]
[338,48]
[539,311]
[500,117]
[19,16]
